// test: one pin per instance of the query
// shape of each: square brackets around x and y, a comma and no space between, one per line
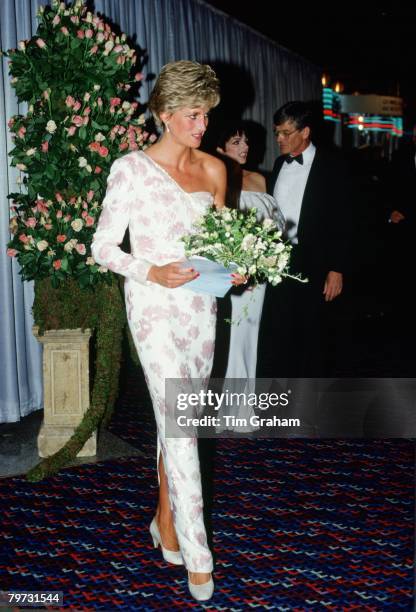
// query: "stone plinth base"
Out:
[66,388]
[52,438]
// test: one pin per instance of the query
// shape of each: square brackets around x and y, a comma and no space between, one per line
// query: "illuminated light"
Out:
[324,80]
[360,127]
[361,118]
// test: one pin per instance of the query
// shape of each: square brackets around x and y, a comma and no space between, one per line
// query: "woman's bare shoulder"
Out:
[209,162]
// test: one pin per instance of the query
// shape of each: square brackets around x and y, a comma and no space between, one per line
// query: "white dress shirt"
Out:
[289,190]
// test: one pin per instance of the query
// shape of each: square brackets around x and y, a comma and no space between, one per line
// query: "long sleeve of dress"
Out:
[112,224]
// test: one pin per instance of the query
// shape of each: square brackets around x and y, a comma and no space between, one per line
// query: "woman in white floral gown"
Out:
[158,194]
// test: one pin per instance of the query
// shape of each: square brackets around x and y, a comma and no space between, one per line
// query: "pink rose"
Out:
[115,101]
[40,43]
[57,264]
[103,151]
[80,248]
[58,197]
[21,132]
[31,222]
[72,130]
[23,238]
[97,170]
[12,252]
[69,101]
[59,214]
[61,237]
[77,120]
[65,31]
[44,146]
[138,76]
[90,195]
[77,106]
[94,146]
[123,146]
[89,221]
[80,34]
[89,33]
[56,20]
[94,49]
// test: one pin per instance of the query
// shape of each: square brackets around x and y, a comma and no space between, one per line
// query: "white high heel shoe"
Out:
[201,592]
[171,556]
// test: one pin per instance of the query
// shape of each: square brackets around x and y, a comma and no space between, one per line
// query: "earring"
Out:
[167,127]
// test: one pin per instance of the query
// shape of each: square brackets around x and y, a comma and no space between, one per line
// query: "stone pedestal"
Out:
[65,387]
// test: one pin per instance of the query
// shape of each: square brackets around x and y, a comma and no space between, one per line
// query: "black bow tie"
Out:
[299,158]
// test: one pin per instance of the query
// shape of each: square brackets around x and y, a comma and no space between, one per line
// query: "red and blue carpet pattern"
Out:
[298,525]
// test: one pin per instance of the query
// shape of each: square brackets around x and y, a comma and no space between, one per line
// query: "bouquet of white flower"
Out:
[235,239]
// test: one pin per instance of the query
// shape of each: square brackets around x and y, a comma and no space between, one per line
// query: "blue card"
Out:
[214,278]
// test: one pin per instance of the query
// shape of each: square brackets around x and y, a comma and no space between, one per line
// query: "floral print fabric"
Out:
[173,329]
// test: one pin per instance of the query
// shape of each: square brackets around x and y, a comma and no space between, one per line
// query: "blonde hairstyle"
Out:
[184,83]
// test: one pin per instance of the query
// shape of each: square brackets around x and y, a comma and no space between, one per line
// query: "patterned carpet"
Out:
[298,525]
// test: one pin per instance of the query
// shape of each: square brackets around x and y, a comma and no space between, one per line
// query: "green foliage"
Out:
[75,75]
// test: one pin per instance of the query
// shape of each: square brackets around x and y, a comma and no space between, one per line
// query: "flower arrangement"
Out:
[235,237]
[77,77]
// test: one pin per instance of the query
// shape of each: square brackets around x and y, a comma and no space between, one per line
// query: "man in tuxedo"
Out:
[311,187]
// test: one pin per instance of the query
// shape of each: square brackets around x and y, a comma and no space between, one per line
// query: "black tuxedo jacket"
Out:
[324,229]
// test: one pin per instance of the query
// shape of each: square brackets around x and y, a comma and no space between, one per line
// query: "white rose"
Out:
[31,151]
[268,223]
[77,225]
[70,244]
[99,137]
[82,162]
[248,242]
[42,245]
[108,46]
[51,126]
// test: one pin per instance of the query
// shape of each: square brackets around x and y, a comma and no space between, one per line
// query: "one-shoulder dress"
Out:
[173,329]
